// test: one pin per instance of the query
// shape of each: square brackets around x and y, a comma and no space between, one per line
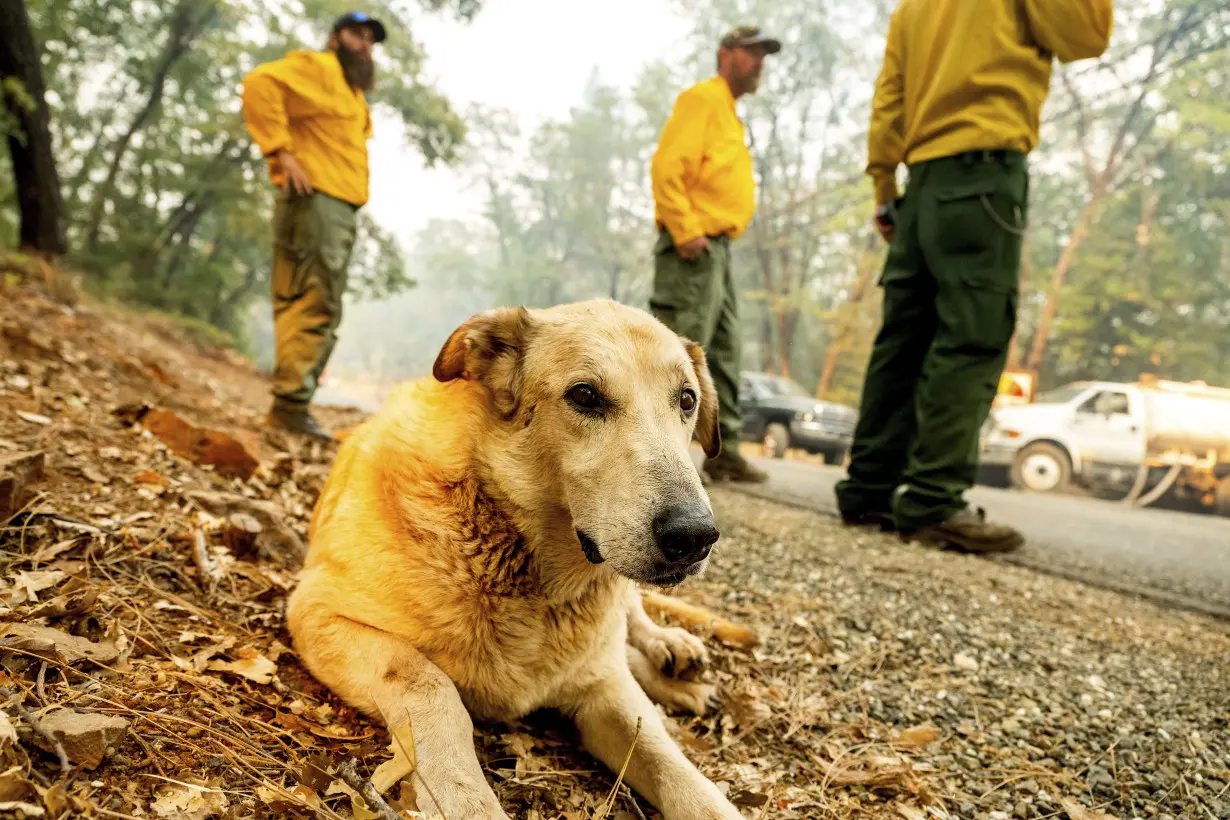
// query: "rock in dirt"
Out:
[259,524]
[87,738]
[234,454]
[19,472]
[55,645]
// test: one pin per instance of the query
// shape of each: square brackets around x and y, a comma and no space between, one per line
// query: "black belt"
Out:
[988,155]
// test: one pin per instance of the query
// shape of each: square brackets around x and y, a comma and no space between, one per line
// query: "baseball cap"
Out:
[360,18]
[745,36]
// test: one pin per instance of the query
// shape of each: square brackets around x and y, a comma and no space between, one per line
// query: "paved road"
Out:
[1178,558]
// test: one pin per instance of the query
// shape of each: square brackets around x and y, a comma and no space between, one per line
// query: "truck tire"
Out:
[776,440]
[1222,504]
[1042,468]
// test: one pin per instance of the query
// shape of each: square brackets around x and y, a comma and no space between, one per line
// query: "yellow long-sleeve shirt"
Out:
[962,75]
[303,103]
[701,171]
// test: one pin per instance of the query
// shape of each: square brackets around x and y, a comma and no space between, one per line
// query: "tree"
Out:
[27,128]
[1132,118]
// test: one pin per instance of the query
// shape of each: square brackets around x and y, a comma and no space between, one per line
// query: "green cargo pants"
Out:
[950,298]
[697,300]
[314,236]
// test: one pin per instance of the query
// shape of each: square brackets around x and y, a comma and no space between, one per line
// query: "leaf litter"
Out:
[143,584]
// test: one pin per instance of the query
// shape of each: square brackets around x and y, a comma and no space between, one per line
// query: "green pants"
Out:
[950,287]
[313,239]
[697,300]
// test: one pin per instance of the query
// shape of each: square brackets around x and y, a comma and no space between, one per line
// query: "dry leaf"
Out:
[21,810]
[403,762]
[8,734]
[33,418]
[188,801]
[911,812]
[918,736]
[251,664]
[45,641]
[1078,812]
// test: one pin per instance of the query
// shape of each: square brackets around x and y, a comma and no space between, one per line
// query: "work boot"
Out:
[297,420]
[968,530]
[734,467]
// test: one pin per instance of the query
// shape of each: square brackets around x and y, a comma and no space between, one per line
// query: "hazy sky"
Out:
[533,57]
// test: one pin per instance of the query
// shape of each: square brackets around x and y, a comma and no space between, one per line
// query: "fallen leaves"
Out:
[918,736]
[190,801]
[87,738]
[55,645]
[19,472]
[1078,812]
[251,665]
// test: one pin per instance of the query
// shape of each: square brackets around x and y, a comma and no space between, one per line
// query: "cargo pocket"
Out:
[978,226]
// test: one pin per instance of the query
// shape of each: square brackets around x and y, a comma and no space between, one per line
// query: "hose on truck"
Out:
[1133,498]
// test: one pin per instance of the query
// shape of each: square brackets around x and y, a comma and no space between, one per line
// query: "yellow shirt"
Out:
[303,103]
[961,75]
[702,171]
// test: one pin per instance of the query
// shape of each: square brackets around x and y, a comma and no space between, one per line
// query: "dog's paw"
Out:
[678,653]
[695,698]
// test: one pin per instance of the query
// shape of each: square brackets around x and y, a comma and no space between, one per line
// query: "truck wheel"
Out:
[776,440]
[1222,504]
[1042,468]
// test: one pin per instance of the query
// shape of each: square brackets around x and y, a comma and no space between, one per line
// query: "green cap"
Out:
[748,36]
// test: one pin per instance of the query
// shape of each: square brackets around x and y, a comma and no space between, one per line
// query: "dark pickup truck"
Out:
[781,414]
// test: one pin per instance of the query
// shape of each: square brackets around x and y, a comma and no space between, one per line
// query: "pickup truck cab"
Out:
[780,414]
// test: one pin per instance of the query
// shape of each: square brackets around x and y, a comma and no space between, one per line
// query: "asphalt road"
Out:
[1177,558]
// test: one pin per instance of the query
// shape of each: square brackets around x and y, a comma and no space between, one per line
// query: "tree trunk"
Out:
[1041,335]
[849,317]
[185,25]
[39,198]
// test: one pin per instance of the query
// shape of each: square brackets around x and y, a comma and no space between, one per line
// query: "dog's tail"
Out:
[698,619]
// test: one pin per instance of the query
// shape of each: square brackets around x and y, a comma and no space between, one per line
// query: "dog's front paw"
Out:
[678,653]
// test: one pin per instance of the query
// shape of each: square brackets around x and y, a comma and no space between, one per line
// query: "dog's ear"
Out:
[707,421]
[487,348]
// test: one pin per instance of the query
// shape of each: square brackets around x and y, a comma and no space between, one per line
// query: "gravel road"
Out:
[1172,557]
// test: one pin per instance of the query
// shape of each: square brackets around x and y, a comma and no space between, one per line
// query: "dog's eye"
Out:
[687,401]
[586,398]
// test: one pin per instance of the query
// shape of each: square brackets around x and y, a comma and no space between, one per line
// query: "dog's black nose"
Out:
[685,532]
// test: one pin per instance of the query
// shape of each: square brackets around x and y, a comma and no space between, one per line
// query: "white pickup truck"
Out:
[1143,441]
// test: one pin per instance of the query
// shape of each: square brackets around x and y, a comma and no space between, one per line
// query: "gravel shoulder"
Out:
[1043,691]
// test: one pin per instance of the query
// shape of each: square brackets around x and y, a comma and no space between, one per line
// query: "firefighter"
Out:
[308,114]
[958,101]
[704,197]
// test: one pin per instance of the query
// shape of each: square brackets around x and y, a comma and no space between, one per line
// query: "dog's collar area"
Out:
[589,548]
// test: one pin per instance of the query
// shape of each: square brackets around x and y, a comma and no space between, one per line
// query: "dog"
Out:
[476,547]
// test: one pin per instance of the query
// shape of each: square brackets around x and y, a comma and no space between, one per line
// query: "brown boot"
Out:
[734,467]
[297,420]
[968,530]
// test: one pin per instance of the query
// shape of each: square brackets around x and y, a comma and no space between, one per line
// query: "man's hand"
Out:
[692,250]
[295,177]
[886,220]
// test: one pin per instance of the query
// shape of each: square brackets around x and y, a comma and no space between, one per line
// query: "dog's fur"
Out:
[446,575]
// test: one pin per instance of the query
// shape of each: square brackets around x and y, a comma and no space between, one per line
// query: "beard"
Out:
[749,82]
[359,71]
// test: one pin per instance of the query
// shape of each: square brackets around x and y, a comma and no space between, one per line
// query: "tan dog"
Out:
[474,548]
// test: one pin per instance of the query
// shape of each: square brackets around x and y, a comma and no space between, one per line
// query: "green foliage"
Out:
[169,203]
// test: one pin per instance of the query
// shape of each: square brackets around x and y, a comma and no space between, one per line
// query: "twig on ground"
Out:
[610,800]
[349,774]
[210,572]
[36,725]
[636,809]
